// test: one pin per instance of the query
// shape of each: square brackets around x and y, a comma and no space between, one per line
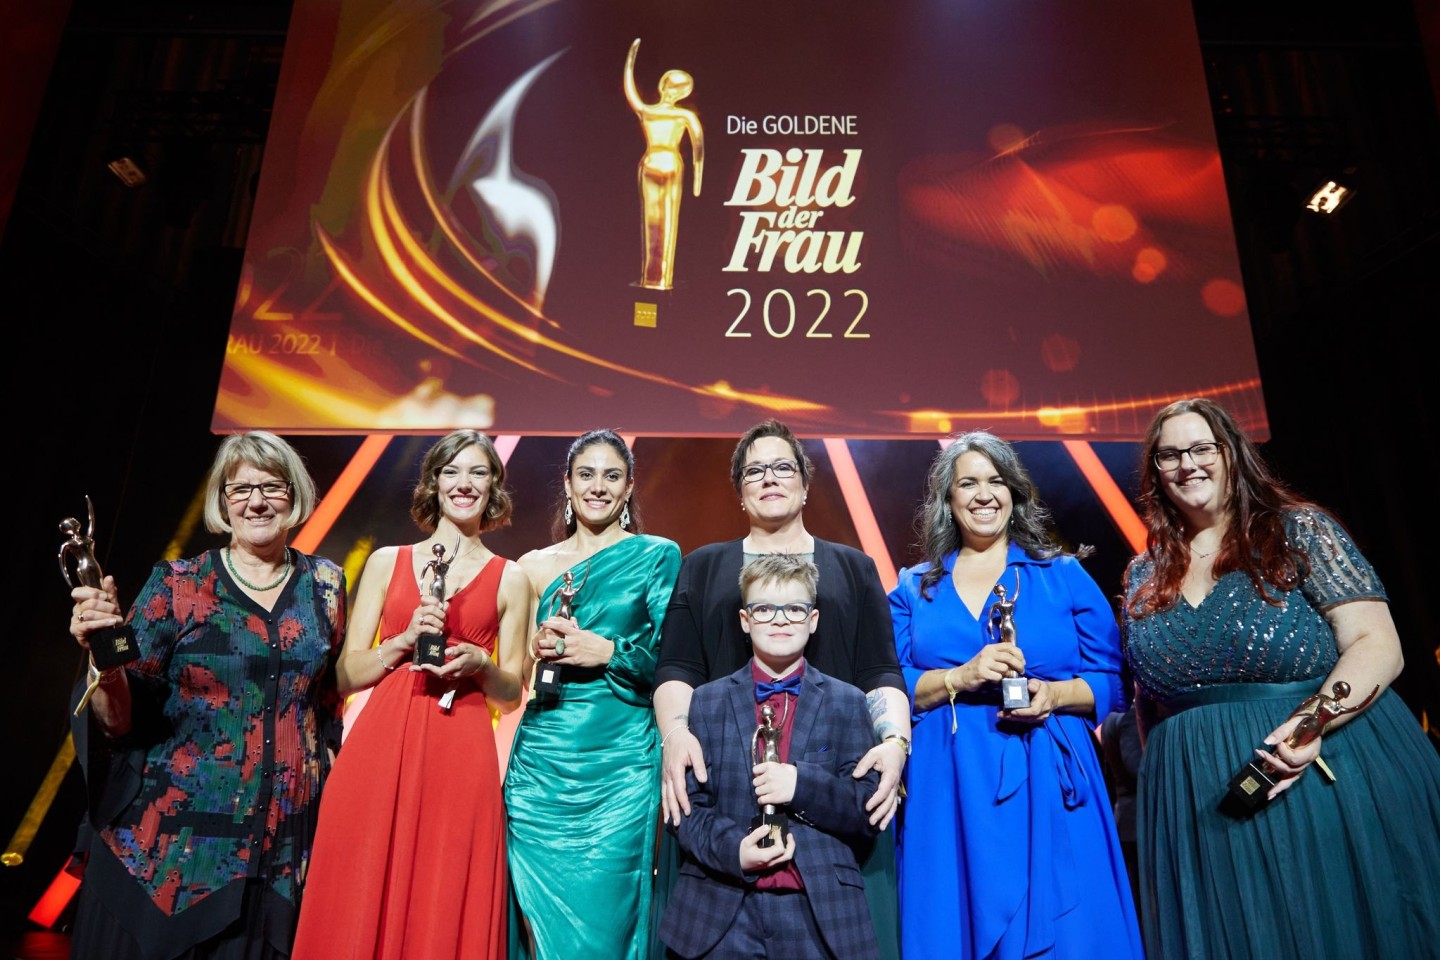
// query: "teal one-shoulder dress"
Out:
[582,791]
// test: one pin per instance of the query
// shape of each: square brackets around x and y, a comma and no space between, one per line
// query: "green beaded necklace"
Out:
[258,589]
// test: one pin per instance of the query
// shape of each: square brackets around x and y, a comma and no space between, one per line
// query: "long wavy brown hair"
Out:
[425,499]
[1257,500]
[1029,517]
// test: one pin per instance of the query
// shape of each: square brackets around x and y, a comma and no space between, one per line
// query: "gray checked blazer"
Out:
[832,829]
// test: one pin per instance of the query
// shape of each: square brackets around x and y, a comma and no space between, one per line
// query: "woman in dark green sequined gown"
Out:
[1248,601]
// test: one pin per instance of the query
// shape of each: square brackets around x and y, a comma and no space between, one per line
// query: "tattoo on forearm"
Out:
[875,703]
[885,729]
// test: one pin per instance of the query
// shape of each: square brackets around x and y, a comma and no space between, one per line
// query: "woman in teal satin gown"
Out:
[583,788]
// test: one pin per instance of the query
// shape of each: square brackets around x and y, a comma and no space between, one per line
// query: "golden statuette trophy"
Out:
[112,646]
[1014,689]
[431,647]
[765,748]
[662,168]
[545,678]
[1250,788]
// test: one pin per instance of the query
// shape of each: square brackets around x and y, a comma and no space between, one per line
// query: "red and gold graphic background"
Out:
[1047,240]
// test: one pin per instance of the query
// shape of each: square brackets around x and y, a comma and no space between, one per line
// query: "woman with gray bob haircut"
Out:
[204,758]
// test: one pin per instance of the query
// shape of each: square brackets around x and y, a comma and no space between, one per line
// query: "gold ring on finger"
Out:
[559,646]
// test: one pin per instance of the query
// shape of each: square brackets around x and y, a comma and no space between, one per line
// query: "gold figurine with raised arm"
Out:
[1319,709]
[1014,689]
[662,168]
[111,646]
[81,548]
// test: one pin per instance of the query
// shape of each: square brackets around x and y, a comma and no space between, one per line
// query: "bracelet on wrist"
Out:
[94,678]
[681,725]
[381,657]
[96,675]
[902,740]
[952,692]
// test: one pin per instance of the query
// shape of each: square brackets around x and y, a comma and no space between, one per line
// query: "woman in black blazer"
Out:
[702,641]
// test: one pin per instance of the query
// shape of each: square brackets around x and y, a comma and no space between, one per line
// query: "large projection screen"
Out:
[873,220]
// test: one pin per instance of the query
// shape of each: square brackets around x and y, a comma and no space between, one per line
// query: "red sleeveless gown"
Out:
[409,854]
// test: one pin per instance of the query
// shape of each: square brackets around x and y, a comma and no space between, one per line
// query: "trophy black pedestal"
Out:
[1249,789]
[547,679]
[113,647]
[110,647]
[430,650]
[779,825]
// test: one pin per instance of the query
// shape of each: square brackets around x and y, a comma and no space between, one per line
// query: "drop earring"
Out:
[625,516]
[569,513]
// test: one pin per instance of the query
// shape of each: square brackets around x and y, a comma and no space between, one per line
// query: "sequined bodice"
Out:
[1235,636]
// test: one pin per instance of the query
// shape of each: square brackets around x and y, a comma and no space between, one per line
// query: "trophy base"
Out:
[1014,693]
[779,825]
[113,647]
[430,651]
[547,679]
[1249,789]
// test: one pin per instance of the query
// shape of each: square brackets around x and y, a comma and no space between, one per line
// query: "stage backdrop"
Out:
[870,219]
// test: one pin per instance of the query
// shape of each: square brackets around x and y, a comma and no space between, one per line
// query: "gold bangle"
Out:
[897,738]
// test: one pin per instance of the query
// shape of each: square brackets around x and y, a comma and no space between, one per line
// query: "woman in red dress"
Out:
[409,856]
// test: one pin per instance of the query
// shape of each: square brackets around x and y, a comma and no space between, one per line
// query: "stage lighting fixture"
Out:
[1329,197]
[128,171]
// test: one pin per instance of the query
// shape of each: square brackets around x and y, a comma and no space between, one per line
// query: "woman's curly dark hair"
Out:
[935,524]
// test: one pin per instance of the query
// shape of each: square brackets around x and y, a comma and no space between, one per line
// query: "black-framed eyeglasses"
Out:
[765,612]
[1201,454]
[782,469]
[270,490]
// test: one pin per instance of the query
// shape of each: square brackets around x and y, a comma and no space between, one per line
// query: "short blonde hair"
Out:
[780,568]
[264,451]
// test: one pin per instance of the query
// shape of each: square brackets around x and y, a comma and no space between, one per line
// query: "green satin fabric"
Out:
[583,786]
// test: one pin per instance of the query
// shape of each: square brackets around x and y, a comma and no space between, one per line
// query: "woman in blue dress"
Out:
[1007,844]
[1247,602]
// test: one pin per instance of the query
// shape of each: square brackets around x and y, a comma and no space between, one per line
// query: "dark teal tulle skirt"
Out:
[1327,870]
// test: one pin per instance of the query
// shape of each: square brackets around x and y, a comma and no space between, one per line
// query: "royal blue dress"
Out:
[1007,843]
